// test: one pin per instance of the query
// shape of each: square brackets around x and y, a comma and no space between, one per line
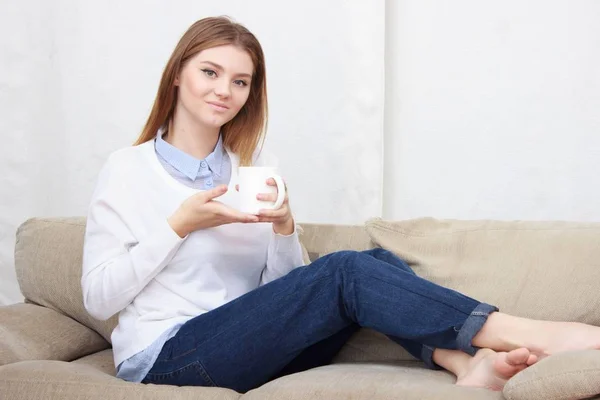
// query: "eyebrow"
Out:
[221,68]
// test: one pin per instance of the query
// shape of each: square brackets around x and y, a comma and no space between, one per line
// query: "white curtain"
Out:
[77,80]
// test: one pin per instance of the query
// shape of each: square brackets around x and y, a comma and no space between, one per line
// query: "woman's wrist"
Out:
[178,225]
[285,228]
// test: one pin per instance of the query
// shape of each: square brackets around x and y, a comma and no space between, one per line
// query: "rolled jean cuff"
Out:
[472,326]
[427,357]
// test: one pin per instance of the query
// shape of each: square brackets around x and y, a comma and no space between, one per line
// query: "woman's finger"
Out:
[271,182]
[279,213]
[237,216]
[267,197]
[213,193]
[271,197]
[267,219]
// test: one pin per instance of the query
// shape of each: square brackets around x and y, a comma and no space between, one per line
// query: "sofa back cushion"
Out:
[544,270]
[48,259]
[322,239]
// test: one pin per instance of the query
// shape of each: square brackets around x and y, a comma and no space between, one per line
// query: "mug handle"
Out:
[280,192]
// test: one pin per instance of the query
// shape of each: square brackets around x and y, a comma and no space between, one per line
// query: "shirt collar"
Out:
[187,164]
[215,159]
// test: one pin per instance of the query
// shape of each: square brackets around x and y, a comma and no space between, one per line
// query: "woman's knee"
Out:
[353,261]
[345,260]
[390,258]
[379,253]
[344,257]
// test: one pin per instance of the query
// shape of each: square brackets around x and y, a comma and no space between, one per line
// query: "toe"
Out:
[532,359]
[518,357]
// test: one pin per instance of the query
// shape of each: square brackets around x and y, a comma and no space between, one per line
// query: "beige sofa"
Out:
[50,348]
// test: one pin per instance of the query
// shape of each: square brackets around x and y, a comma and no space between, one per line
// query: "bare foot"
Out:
[492,370]
[557,337]
[503,332]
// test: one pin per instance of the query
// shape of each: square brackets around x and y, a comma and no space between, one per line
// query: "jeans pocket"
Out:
[192,374]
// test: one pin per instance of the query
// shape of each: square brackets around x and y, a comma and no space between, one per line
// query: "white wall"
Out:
[492,109]
[77,80]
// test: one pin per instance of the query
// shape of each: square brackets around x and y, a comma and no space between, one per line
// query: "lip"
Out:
[218,106]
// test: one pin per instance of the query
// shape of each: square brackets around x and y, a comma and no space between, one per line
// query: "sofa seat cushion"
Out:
[367,345]
[408,380]
[102,361]
[86,380]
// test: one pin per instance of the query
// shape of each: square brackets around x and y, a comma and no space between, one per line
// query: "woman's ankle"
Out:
[454,361]
[503,332]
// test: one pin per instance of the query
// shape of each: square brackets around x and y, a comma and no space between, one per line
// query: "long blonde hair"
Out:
[245,132]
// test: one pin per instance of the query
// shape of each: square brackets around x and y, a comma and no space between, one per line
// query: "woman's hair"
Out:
[245,132]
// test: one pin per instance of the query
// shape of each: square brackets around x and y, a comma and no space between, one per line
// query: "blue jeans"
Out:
[302,320]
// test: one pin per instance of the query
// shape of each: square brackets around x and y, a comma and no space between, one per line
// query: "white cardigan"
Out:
[134,264]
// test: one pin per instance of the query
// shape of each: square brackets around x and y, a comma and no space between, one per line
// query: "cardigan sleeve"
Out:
[117,265]
[283,255]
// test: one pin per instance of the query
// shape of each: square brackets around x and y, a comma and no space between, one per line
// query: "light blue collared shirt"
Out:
[205,174]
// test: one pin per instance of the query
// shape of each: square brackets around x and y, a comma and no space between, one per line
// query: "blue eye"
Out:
[240,83]
[210,73]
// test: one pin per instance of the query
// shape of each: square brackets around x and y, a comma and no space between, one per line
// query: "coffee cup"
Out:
[252,181]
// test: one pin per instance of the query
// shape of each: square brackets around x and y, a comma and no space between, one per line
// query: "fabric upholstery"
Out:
[30,332]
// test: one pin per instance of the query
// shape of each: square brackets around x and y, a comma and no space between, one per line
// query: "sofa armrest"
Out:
[32,332]
[562,376]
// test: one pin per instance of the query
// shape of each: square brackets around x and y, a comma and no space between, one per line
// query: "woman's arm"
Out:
[116,264]
[283,255]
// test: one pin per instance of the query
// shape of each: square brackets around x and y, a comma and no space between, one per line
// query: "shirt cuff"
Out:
[285,243]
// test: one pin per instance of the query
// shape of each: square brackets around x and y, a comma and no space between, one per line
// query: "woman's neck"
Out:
[191,137]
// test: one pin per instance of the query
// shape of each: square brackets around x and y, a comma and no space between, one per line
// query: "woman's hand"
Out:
[201,211]
[283,222]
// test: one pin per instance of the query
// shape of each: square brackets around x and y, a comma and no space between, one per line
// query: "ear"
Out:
[177,80]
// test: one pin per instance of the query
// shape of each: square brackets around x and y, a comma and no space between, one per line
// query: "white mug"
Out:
[252,181]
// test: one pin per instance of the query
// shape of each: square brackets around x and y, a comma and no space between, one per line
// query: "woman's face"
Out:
[214,85]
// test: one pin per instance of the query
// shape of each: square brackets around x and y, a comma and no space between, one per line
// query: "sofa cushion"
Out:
[102,361]
[367,345]
[543,270]
[564,376]
[30,332]
[406,381]
[322,239]
[48,259]
[28,380]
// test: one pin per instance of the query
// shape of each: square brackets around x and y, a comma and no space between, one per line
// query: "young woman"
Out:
[209,296]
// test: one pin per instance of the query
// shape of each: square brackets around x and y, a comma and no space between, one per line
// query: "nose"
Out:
[222,88]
